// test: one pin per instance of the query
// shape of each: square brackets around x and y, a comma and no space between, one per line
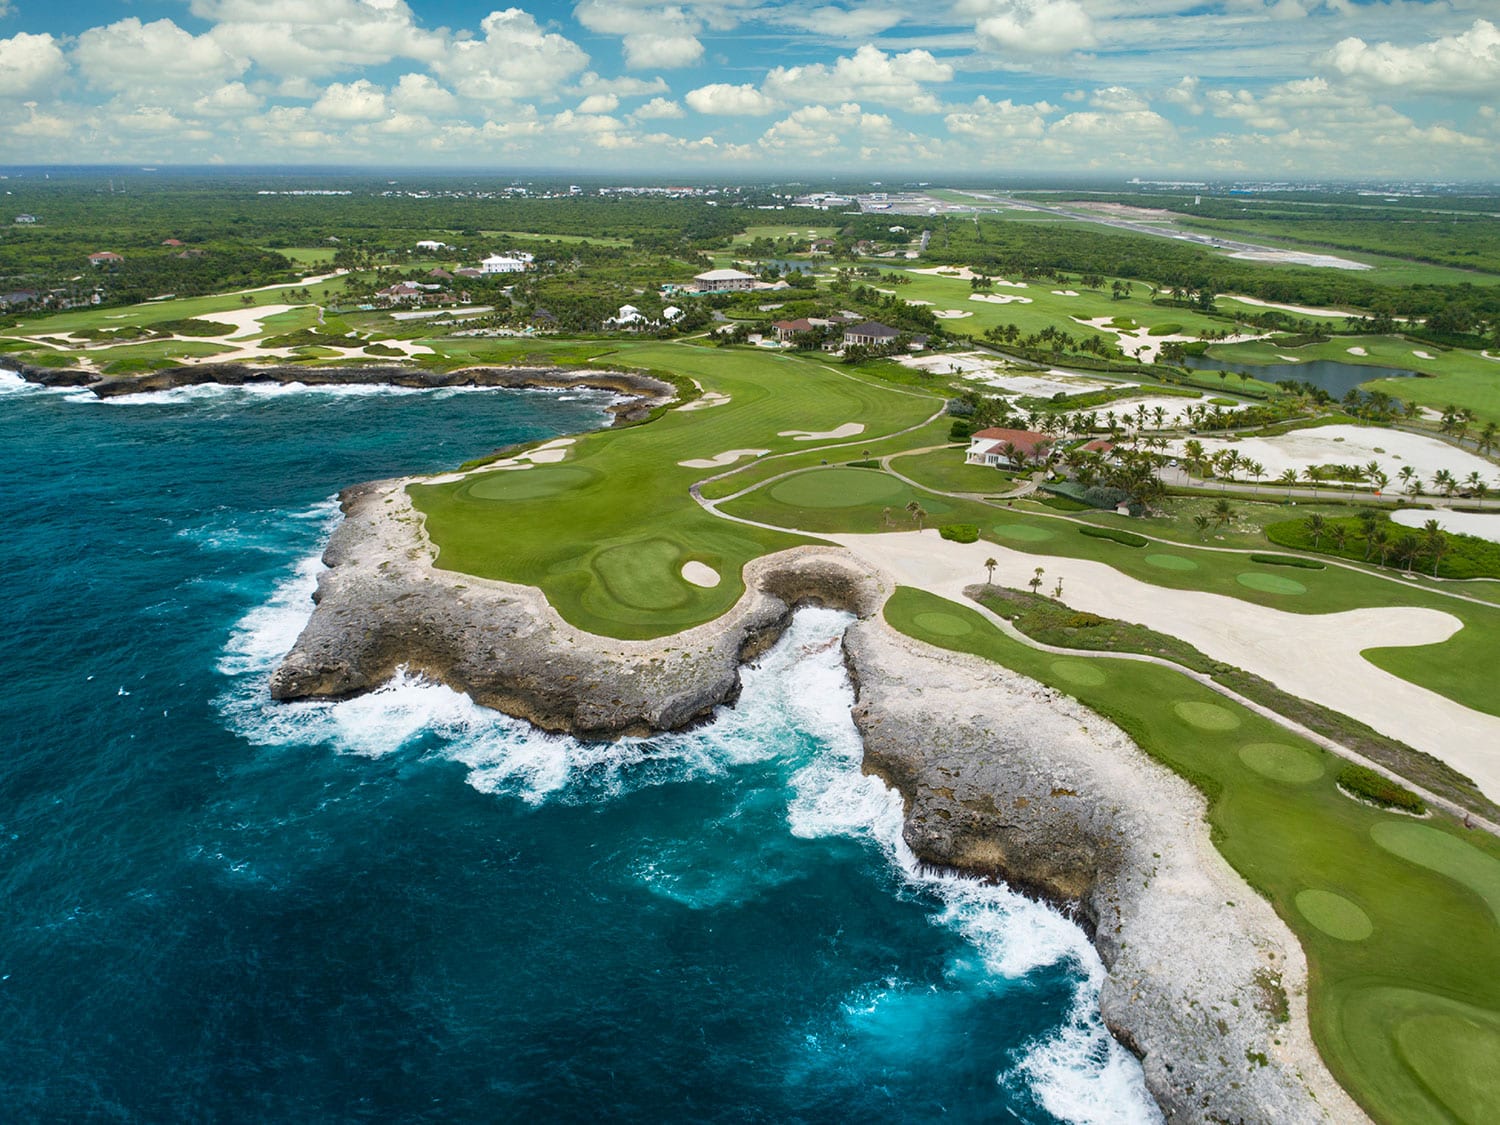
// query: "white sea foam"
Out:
[794,708]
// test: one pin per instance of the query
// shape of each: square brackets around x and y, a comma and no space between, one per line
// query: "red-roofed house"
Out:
[174,242]
[1100,446]
[786,329]
[1007,448]
[105,258]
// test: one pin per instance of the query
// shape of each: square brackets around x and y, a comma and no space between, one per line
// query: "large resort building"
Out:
[723,281]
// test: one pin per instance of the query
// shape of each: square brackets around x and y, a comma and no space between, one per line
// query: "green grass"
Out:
[605,533]
[1467,556]
[946,471]
[1382,1007]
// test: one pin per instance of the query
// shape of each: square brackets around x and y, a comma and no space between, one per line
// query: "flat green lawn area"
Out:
[777,231]
[605,533]
[843,499]
[594,240]
[946,471]
[1398,917]
[1043,307]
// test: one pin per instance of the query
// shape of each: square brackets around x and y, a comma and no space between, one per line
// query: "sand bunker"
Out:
[848,429]
[728,457]
[964,273]
[1065,292]
[1000,298]
[249,320]
[1481,525]
[1353,445]
[951,314]
[1356,351]
[700,574]
[1298,258]
[917,302]
[706,401]
[1423,355]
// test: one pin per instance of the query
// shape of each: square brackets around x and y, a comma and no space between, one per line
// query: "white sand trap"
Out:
[706,401]
[917,302]
[1303,310]
[545,456]
[1356,351]
[951,314]
[1065,292]
[964,273]
[700,574]
[557,443]
[1289,358]
[1481,525]
[848,429]
[1324,665]
[1423,355]
[248,320]
[1298,258]
[1354,445]
[1000,298]
[728,457]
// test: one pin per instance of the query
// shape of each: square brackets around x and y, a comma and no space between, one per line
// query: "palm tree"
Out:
[1201,523]
[1314,474]
[1380,540]
[1288,477]
[1409,480]
[1407,548]
[989,568]
[1036,580]
[1487,437]
[1223,513]
[1474,483]
[1369,520]
[1338,535]
[1434,542]
[1444,479]
[1316,525]
[885,516]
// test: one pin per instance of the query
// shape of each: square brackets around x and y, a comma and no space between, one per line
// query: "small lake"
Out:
[1337,378]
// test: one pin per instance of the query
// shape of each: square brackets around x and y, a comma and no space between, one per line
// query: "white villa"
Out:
[723,281]
[431,244]
[514,262]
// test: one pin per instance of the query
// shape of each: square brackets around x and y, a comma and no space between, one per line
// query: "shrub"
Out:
[1084,621]
[960,532]
[1287,560]
[1365,783]
[195,327]
[856,464]
[1066,504]
[1101,496]
[960,431]
[1128,538]
[1168,329]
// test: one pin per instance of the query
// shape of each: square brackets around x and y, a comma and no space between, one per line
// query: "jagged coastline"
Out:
[1001,778]
[640,393]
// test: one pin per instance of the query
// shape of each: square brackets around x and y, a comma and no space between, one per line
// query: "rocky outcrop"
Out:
[643,393]
[1002,778]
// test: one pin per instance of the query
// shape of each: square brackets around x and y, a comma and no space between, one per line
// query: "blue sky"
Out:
[1252,89]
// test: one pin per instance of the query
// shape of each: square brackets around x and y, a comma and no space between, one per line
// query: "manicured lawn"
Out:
[837,499]
[1398,918]
[605,533]
[946,471]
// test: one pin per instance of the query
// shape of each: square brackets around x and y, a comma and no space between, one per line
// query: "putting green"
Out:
[1447,1045]
[1455,1053]
[528,484]
[1206,716]
[837,488]
[644,575]
[1444,853]
[1079,672]
[1270,583]
[1170,562]
[1023,532]
[1335,915]
[1281,762]
[944,624]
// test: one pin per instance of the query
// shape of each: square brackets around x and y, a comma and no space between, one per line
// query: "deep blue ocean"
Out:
[408,908]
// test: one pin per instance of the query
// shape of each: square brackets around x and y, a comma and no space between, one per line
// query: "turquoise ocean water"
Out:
[407,908]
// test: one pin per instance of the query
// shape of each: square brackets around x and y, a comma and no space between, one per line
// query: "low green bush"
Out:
[1084,621]
[193,326]
[1128,538]
[1288,560]
[863,464]
[1168,329]
[960,532]
[1066,504]
[1365,783]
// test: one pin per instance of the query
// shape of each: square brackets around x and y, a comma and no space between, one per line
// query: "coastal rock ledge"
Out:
[1002,778]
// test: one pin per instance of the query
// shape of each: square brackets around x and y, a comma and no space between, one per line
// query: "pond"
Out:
[1333,376]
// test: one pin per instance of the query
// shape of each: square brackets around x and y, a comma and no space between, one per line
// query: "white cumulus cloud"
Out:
[869,75]
[129,55]
[514,59]
[360,100]
[1034,27]
[1465,63]
[726,99]
[28,63]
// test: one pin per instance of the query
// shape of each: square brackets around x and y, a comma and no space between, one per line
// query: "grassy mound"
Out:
[1464,556]
[1127,538]
[960,532]
[1368,785]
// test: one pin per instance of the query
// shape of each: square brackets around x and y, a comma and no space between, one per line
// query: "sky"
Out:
[758,89]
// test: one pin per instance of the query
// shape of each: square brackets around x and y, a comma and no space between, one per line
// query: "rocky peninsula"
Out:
[1002,778]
